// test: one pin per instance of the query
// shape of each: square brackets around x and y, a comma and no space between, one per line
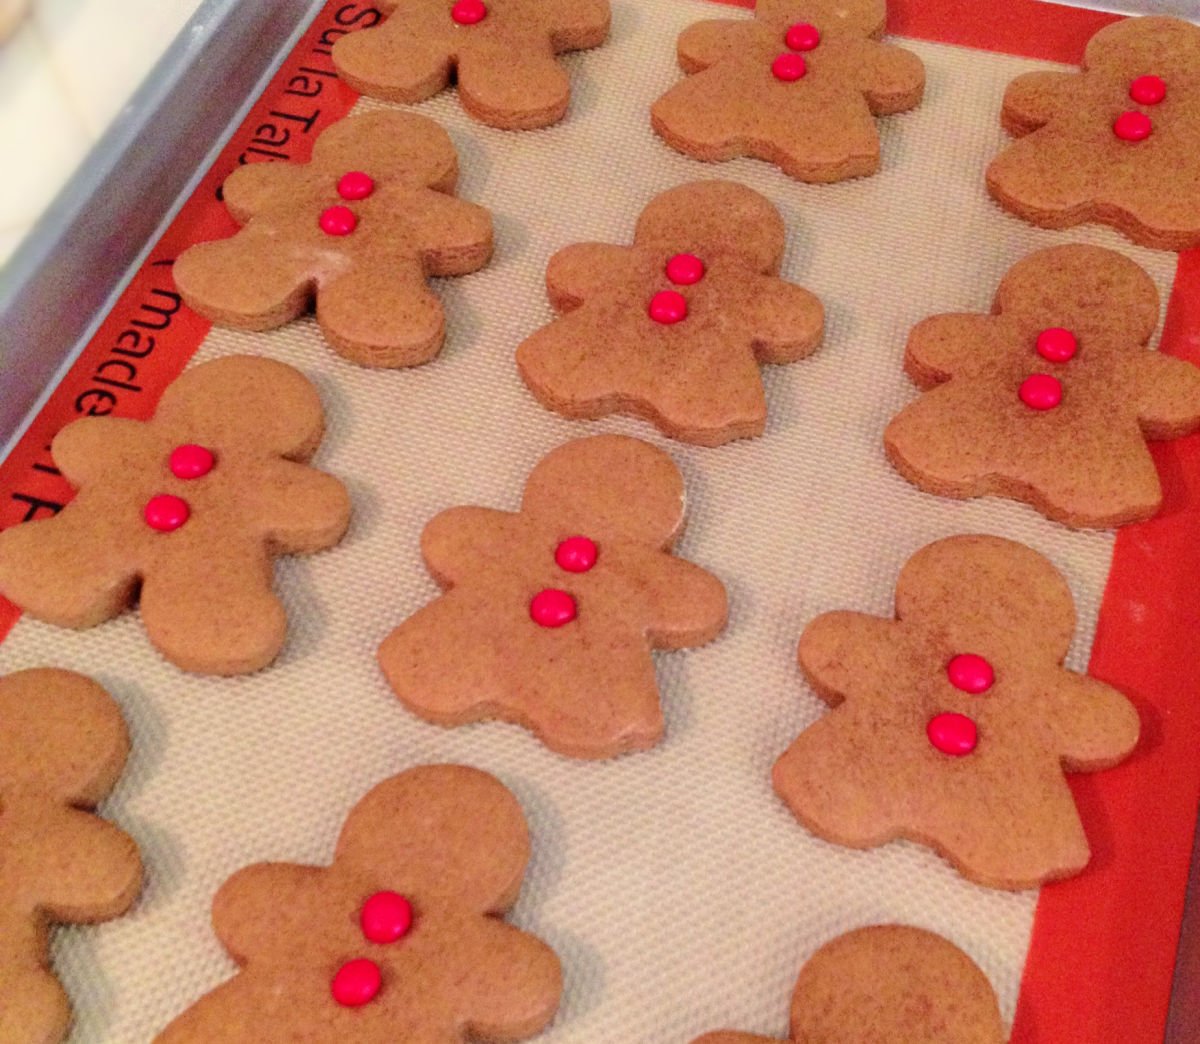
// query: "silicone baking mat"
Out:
[679,893]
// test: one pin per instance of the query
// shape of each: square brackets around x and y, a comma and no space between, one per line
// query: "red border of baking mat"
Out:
[1103,949]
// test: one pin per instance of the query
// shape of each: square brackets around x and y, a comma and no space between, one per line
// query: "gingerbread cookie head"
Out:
[888,983]
[550,613]
[400,939]
[64,744]
[673,328]
[357,230]
[186,511]
[1117,143]
[798,86]
[954,723]
[1050,399]
[501,53]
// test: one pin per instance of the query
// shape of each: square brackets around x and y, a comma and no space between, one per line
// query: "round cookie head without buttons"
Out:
[889,984]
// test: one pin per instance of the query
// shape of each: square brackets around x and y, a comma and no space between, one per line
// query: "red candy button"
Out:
[356,983]
[385,917]
[576,554]
[1148,90]
[338,221]
[789,67]
[802,37]
[1040,391]
[355,185]
[468,12]
[685,269]
[1057,345]
[166,513]
[191,462]
[953,734]
[1132,126]
[970,673]
[668,307]
[552,608]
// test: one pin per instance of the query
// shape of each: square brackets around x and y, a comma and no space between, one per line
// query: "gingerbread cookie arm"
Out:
[249,188]
[216,613]
[91,448]
[460,541]
[684,605]
[299,509]
[262,909]
[1034,99]
[513,979]
[74,570]
[576,25]
[96,870]
[1096,727]
[945,346]
[400,61]
[211,277]
[1167,391]
[515,95]
[838,649]
[455,236]
[585,270]
[703,44]
[891,79]
[788,321]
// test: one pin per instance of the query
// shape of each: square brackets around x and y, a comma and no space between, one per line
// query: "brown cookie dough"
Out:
[400,939]
[952,724]
[889,984]
[799,86]
[501,53]
[1117,143]
[673,328]
[63,744]
[357,231]
[550,613]
[185,513]
[1051,398]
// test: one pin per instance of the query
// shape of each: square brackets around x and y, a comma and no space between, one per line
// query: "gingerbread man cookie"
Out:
[673,328]
[1050,399]
[888,984]
[500,52]
[358,230]
[799,86]
[550,613]
[189,509]
[400,939]
[1117,143]
[62,747]
[954,723]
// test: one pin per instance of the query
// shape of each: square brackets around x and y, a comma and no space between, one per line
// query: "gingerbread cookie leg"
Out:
[533,93]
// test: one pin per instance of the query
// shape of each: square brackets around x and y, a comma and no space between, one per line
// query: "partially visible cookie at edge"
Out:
[889,983]
[63,744]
